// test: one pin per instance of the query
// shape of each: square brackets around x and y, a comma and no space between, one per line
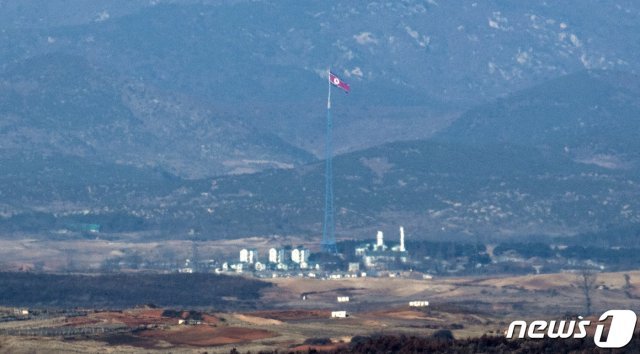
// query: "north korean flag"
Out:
[335,81]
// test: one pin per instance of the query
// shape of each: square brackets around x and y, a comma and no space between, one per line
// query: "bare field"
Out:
[544,281]
[468,306]
[260,321]
[54,255]
[206,336]
[479,304]
[133,318]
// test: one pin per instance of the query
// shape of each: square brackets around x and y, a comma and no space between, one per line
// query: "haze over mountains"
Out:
[466,119]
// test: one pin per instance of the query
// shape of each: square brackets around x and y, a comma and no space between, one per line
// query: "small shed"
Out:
[339,314]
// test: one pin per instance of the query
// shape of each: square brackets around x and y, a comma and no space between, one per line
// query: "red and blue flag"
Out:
[336,81]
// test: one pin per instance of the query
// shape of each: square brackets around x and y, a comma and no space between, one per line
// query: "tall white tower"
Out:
[379,241]
[402,249]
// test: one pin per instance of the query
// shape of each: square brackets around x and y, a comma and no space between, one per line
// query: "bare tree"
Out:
[70,265]
[627,282]
[627,286]
[585,281]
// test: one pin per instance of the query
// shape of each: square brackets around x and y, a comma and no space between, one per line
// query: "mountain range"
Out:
[205,119]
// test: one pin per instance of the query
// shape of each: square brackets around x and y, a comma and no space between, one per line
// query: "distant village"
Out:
[415,258]
[367,259]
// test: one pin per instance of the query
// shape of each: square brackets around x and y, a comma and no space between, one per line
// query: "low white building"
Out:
[418,303]
[362,250]
[343,299]
[339,314]
[237,267]
[21,312]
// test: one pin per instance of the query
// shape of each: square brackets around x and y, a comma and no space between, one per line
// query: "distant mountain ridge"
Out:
[61,104]
[205,119]
[591,116]
[414,65]
[436,190]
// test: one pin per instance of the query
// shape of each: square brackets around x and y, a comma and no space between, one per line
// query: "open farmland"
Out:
[469,307]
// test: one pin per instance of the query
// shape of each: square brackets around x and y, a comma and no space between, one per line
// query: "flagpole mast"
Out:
[328,231]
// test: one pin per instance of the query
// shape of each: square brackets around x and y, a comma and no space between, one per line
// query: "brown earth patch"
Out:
[209,319]
[292,315]
[135,318]
[260,321]
[134,341]
[408,315]
[203,335]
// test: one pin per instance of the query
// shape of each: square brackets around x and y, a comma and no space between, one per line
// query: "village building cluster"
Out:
[368,258]
[278,259]
[379,256]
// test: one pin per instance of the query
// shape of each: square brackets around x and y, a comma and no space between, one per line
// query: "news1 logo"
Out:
[620,330]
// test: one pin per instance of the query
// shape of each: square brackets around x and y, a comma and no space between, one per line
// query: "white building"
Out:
[418,303]
[21,312]
[379,246]
[259,267]
[248,256]
[379,256]
[279,256]
[400,247]
[343,299]
[238,268]
[300,255]
[339,314]
[276,255]
[282,266]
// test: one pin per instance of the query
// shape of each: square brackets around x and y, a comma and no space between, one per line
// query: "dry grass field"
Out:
[468,306]
[89,254]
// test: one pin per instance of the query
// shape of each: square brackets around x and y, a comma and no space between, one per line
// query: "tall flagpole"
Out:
[328,230]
